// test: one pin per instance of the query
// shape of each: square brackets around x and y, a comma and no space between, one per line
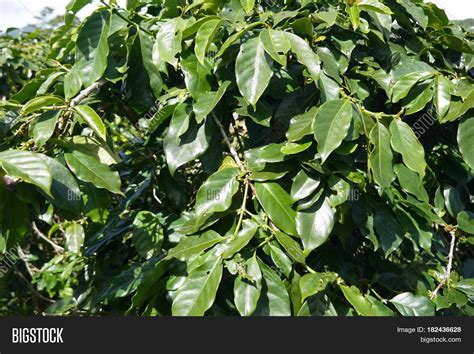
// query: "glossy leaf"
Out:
[74,234]
[208,101]
[204,37]
[277,300]
[364,305]
[243,237]
[93,120]
[27,166]
[247,290]
[93,48]
[331,125]
[277,204]
[442,98]
[313,283]
[413,305]
[44,127]
[198,292]
[253,70]
[147,233]
[88,169]
[465,140]
[190,246]
[381,157]
[315,224]
[405,142]
[215,195]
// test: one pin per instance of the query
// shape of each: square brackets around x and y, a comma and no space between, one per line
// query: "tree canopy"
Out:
[226,157]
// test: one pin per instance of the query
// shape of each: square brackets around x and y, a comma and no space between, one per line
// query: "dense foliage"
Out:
[298,157]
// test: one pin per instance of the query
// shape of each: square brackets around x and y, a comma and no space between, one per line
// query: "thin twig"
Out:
[232,150]
[35,292]
[25,261]
[447,273]
[86,92]
[227,142]
[57,248]
[242,209]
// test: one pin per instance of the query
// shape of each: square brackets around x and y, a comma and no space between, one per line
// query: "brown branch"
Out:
[86,92]
[25,261]
[57,248]
[28,284]
[447,273]
[232,150]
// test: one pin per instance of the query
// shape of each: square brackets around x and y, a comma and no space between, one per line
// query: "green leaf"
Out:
[418,98]
[405,83]
[364,305]
[313,283]
[305,55]
[147,235]
[41,102]
[405,142]
[160,117]
[303,185]
[28,166]
[215,195]
[76,5]
[466,222]
[281,260]
[64,188]
[413,305]
[93,120]
[43,128]
[388,230]
[458,109]
[208,101]
[295,148]
[168,41]
[466,286]
[315,224]
[188,147]
[452,200]
[153,70]
[375,6]
[231,39]
[411,182]
[235,244]
[291,247]
[354,15]
[198,292]
[248,5]
[275,299]
[247,289]
[72,82]
[466,140]
[331,125]
[253,70]
[88,169]
[195,26]
[442,96]
[277,204]
[74,234]
[195,76]
[92,47]
[190,246]
[415,11]
[420,233]
[381,157]
[301,125]
[276,44]
[204,38]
